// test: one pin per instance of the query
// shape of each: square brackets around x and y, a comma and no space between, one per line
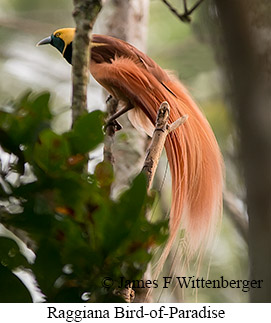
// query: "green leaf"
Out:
[27,120]
[105,175]
[34,108]
[35,219]
[51,153]
[12,288]
[47,267]
[87,132]
[23,125]
[112,226]
[72,191]
[133,199]
[40,105]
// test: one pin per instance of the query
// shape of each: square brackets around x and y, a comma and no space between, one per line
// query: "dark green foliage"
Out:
[12,289]
[86,133]
[80,234]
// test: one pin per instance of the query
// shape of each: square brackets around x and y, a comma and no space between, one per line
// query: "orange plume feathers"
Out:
[194,157]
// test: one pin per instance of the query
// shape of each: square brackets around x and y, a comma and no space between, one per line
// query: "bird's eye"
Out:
[57,34]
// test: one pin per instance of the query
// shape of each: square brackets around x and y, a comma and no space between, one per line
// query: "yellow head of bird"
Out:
[60,39]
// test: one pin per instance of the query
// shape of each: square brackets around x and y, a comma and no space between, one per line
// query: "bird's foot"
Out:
[114,123]
[112,120]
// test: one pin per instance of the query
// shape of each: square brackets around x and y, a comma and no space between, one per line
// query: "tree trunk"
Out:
[246,29]
[84,13]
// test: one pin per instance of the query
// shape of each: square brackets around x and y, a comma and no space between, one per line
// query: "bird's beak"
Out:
[45,41]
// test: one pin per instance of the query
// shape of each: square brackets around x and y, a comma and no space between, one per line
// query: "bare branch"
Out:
[184,17]
[176,124]
[112,105]
[162,129]
[196,5]
[185,6]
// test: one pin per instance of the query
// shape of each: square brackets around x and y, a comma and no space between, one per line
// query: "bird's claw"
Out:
[117,126]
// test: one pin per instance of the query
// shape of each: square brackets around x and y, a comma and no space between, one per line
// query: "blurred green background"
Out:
[183,48]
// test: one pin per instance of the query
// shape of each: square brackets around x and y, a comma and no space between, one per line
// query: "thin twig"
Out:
[176,124]
[185,6]
[184,17]
[189,12]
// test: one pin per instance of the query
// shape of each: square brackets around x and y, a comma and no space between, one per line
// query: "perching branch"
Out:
[162,129]
[110,129]
[85,13]
[128,294]
[184,17]
[112,117]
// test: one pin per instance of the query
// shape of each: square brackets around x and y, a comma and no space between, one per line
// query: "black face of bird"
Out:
[53,40]
[62,40]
